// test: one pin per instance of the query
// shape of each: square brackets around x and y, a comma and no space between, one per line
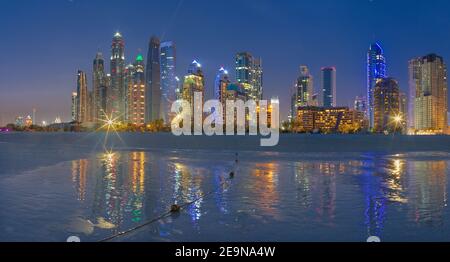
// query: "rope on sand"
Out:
[173,209]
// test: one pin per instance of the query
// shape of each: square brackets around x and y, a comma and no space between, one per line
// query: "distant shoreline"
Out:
[288,142]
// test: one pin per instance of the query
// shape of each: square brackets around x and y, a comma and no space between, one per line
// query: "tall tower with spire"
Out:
[154,107]
[376,70]
[117,92]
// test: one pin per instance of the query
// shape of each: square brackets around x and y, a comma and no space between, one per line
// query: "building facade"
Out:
[128,82]
[82,98]
[169,81]
[386,98]
[99,88]
[249,73]
[136,98]
[329,120]
[117,94]
[328,84]
[221,84]
[193,82]
[428,89]
[74,108]
[153,88]
[302,95]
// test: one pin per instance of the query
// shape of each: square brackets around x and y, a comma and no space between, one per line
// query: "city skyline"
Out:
[48,88]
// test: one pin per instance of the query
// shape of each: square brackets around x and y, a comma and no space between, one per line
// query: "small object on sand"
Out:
[103,224]
[231,174]
[175,208]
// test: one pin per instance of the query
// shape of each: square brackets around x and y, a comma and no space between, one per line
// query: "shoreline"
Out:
[302,143]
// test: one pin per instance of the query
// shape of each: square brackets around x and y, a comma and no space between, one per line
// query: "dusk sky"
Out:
[45,42]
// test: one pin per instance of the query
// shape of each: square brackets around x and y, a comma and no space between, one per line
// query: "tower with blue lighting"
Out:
[376,70]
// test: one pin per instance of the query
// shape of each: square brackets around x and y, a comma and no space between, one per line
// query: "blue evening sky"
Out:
[44,42]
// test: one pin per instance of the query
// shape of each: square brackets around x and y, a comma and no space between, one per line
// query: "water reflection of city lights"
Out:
[79,174]
[187,189]
[265,187]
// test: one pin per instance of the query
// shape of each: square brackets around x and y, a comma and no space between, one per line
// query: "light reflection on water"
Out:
[273,198]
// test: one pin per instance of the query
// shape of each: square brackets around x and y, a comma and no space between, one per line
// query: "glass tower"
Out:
[376,70]
[118,90]
[328,86]
[249,73]
[153,88]
[169,82]
[99,88]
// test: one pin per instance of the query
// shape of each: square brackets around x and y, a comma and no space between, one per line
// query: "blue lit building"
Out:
[376,69]
[328,86]
[220,85]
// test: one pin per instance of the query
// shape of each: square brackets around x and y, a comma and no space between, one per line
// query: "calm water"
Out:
[273,197]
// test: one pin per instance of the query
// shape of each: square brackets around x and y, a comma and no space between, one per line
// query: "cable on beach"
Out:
[174,208]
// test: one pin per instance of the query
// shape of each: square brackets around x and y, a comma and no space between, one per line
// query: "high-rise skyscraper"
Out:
[249,73]
[376,69]
[128,82]
[74,107]
[404,111]
[386,99]
[153,94]
[90,107]
[220,85]
[328,84]
[99,88]
[169,82]
[428,84]
[117,94]
[82,97]
[302,94]
[136,99]
[194,81]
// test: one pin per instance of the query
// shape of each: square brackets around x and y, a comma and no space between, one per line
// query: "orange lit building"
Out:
[329,120]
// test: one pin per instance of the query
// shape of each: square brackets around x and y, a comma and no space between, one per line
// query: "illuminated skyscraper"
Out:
[169,82]
[153,88]
[302,94]
[220,85]
[82,97]
[194,81]
[99,88]
[128,82]
[249,73]
[118,91]
[387,106]
[376,69]
[404,111]
[90,106]
[136,99]
[428,84]
[328,84]
[74,107]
